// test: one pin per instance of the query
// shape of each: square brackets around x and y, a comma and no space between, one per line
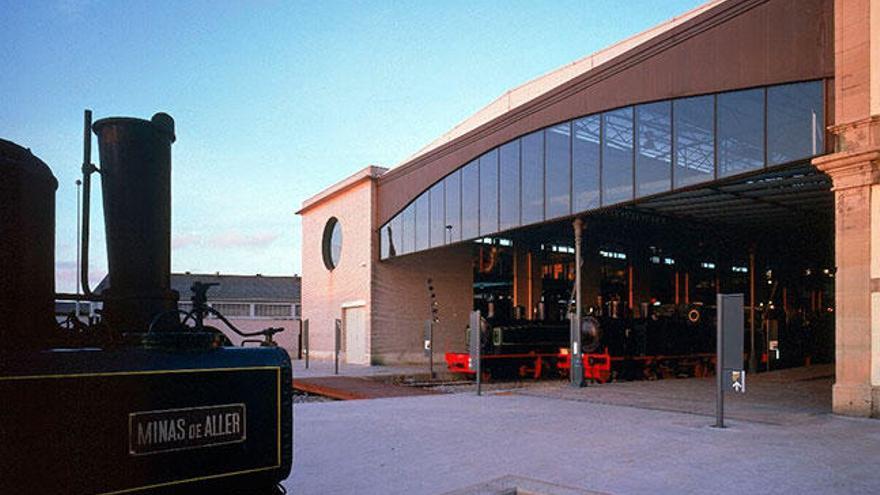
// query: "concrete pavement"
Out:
[438,444]
[325,367]
[779,397]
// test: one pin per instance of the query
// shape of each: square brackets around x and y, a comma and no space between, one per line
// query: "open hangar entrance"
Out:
[651,271]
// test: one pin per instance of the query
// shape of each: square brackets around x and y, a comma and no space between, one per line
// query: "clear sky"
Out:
[273,101]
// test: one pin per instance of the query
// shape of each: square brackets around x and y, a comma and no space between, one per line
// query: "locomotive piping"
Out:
[87,168]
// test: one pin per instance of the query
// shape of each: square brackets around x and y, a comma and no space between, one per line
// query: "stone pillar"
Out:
[854,168]
[856,179]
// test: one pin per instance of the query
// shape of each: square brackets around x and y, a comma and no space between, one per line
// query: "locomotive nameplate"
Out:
[152,432]
[93,416]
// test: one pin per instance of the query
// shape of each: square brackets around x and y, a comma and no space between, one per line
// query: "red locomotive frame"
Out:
[598,367]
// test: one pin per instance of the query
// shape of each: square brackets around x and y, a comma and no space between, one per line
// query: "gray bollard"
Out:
[337,345]
[306,340]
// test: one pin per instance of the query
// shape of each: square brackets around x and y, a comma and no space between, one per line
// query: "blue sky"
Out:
[273,100]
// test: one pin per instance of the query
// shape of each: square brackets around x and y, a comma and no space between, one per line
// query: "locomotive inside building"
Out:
[651,275]
[146,398]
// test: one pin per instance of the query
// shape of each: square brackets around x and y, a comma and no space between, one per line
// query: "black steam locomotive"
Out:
[669,341]
[146,398]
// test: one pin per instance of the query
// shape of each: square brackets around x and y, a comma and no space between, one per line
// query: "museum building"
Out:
[732,149]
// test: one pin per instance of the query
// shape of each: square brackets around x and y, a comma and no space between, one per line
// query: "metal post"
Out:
[576,371]
[429,345]
[753,359]
[337,344]
[78,286]
[429,326]
[729,357]
[719,370]
[299,342]
[306,340]
[87,169]
[474,347]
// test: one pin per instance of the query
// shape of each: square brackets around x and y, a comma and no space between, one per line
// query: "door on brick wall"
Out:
[355,329]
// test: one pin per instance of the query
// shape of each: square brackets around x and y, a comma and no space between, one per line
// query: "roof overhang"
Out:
[370,172]
[721,46]
[768,203]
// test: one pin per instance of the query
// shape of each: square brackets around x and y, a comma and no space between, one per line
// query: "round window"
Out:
[331,245]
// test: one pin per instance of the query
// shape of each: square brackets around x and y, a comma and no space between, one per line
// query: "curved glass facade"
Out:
[611,158]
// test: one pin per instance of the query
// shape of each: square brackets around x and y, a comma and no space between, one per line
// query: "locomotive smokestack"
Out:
[136,185]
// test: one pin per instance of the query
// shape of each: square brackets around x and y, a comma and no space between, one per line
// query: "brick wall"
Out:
[394,292]
[401,304]
[324,292]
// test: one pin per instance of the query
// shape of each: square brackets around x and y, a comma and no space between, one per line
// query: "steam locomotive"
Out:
[147,398]
[670,341]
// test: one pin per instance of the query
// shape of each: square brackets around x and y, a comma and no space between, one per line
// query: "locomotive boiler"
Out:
[147,398]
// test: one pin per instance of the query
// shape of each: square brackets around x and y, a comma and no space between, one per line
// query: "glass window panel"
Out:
[408,229]
[654,156]
[438,217]
[694,140]
[795,122]
[489,193]
[232,309]
[384,241]
[617,156]
[453,206]
[558,170]
[509,185]
[740,132]
[585,163]
[533,177]
[423,221]
[396,235]
[470,200]
[273,310]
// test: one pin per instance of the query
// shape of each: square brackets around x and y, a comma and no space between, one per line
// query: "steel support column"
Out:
[577,357]
[753,359]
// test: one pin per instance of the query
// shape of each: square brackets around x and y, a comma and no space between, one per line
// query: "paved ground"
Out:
[324,367]
[781,397]
[355,388]
[454,442]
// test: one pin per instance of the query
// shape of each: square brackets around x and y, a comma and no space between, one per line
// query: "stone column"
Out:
[854,168]
[856,179]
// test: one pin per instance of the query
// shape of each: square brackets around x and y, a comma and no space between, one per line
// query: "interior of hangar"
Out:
[650,276]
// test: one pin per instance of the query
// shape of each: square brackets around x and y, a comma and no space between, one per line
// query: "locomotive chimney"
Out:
[136,185]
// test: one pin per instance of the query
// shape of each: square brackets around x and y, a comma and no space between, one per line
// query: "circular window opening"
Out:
[331,245]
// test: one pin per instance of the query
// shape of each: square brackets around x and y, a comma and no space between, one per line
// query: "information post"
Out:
[730,375]
[474,347]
